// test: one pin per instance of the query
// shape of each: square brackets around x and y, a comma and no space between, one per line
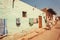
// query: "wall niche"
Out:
[18,22]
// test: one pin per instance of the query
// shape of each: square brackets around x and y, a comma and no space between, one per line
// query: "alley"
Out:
[53,34]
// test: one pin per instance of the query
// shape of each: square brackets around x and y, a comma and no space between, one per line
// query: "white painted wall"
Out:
[12,13]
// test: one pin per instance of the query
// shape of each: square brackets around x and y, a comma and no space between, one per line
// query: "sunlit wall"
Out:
[11,14]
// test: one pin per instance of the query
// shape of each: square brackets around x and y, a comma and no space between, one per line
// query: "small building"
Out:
[22,17]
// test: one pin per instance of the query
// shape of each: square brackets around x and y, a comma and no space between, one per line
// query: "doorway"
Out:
[40,21]
[3,28]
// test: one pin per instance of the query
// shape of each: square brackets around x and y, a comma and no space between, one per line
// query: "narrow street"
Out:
[53,34]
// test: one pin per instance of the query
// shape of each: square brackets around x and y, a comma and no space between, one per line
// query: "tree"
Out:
[50,10]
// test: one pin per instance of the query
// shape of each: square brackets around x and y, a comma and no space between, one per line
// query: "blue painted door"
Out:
[3,28]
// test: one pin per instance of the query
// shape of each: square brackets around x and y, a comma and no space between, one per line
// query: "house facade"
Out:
[21,16]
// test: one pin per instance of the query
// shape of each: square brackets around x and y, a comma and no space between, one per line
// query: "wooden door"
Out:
[40,22]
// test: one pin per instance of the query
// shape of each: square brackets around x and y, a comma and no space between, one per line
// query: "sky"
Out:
[40,4]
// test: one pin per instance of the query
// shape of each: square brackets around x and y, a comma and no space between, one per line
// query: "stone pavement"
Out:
[25,37]
[33,34]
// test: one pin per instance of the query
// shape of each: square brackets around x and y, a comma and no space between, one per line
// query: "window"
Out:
[18,22]
[24,14]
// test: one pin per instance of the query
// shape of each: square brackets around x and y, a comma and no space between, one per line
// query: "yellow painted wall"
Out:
[12,13]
